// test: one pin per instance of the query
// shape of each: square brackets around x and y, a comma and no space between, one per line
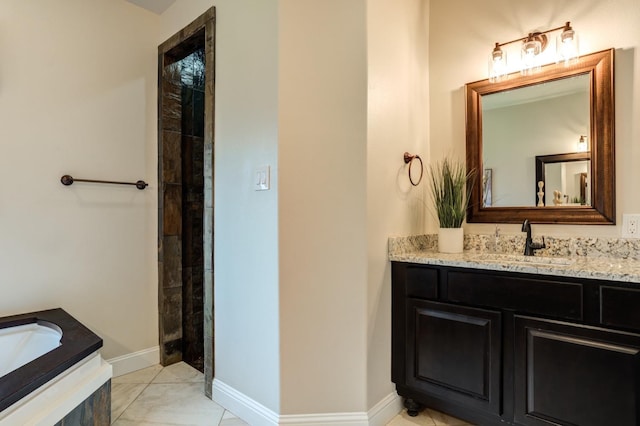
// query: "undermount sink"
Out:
[525,260]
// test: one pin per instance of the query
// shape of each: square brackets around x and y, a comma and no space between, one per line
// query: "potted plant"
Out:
[449,180]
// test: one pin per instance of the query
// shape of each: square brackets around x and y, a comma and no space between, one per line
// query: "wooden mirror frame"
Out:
[543,160]
[599,66]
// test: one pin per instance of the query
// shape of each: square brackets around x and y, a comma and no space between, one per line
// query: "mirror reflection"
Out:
[563,180]
[540,120]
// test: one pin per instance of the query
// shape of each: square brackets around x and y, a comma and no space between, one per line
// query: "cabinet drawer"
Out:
[422,282]
[618,307]
[535,296]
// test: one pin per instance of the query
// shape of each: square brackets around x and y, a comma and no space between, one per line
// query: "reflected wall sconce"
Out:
[532,46]
[583,146]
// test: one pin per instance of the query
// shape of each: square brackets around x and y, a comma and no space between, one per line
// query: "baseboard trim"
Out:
[379,415]
[333,419]
[257,414]
[385,410]
[242,406]
[135,361]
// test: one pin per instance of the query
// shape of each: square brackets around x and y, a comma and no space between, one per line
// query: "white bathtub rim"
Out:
[55,399]
[27,342]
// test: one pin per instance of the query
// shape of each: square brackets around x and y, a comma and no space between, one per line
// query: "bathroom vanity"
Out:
[497,341]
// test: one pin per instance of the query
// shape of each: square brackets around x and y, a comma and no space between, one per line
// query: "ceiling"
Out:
[155,6]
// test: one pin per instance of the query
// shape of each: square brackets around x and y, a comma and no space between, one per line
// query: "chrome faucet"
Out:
[529,246]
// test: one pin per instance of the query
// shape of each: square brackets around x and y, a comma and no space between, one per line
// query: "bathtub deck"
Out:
[78,342]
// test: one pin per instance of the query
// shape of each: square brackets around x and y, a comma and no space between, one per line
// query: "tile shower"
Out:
[181,233]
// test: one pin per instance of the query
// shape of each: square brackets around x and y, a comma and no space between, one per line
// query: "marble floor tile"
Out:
[229,419]
[146,375]
[426,418]
[179,373]
[403,419]
[122,395]
[173,404]
[121,422]
[174,396]
[442,419]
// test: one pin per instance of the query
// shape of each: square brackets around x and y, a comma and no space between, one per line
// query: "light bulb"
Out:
[567,46]
[497,64]
[583,146]
[529,55]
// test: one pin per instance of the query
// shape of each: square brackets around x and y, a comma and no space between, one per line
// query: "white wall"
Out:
[462,35]
[78,97]
[180,14]
[398,121]
[246,221]
[322,205]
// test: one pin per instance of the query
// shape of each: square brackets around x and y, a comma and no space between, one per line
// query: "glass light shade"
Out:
[497,65]
[583,146]
[567,47]
[531,48]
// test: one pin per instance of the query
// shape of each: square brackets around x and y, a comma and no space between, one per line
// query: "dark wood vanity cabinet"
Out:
[496,347]
[454,352]
[578,375]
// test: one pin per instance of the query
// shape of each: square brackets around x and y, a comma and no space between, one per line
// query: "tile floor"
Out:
[173,396]
[165,396]
[426,418]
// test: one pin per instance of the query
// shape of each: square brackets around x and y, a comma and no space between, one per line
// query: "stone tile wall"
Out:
[193,208]
[181,230]
[185,216]
[93,411]
[170,216]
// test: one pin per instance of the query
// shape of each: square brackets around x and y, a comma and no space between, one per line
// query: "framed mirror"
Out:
[563,180]
[511,122]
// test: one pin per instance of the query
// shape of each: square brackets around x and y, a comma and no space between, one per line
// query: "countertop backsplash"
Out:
[596,247]
[611,259]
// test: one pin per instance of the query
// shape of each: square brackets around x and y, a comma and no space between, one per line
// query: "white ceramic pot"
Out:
[450,240]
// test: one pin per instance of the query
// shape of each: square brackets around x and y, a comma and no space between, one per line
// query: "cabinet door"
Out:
[454,353]
[575,375]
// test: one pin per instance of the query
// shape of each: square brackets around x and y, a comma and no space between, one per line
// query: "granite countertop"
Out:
[600,266]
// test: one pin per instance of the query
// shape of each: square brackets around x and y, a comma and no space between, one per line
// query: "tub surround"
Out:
[597,258]
[77,343]
[95,410]
[71,381]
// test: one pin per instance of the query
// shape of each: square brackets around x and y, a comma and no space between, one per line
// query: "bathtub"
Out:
[21,344]
[49,367]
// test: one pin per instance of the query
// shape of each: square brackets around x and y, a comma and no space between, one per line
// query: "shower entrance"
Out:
[185,196]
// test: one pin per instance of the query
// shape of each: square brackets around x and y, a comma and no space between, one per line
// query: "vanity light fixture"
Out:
[497,64]
[567,46]
[532,46]
[583,146]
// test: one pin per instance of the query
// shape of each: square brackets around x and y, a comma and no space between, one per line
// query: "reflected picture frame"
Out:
[487,182]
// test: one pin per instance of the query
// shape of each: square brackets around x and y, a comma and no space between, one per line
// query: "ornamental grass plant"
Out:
[449,180]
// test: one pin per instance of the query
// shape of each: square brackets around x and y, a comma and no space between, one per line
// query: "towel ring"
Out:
[408,159]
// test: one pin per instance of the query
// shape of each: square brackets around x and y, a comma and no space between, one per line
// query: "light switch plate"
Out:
[262,178]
